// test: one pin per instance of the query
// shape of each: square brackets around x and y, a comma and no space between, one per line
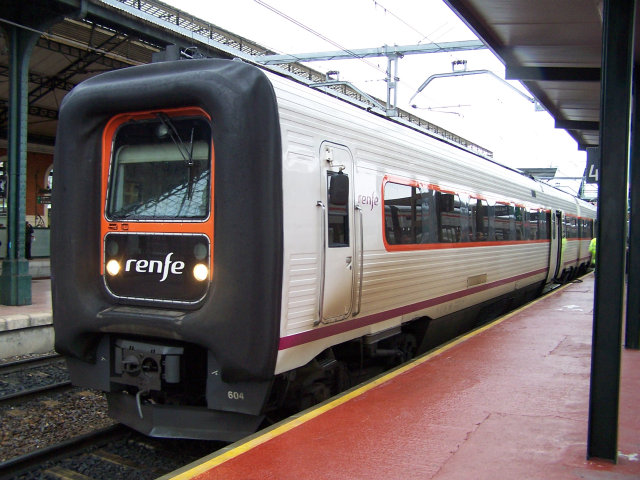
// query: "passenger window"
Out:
[479,214]
[573,230]
[504,221]
[428,232]
[520,223]
[569,224]
[466,222]
[590,228]
[534,226]
[409,213]
[448,206]
[586,228]
[404,215]
[544,222]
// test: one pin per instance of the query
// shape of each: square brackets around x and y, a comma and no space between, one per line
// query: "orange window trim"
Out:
[440,246]
[106,225]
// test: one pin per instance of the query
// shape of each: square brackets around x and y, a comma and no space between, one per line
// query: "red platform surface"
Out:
[509,401]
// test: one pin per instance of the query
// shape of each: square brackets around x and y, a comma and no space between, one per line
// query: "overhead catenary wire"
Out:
[338,45]
[316,33]
[405,23]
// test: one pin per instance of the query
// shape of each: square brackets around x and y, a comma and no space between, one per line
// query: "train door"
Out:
[339,235]
[555,251]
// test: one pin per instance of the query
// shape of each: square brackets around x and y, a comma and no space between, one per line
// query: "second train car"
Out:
[226,239]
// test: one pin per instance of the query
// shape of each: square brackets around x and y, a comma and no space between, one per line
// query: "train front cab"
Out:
[168,248]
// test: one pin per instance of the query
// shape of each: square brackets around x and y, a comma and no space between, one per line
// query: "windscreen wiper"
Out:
[185,152]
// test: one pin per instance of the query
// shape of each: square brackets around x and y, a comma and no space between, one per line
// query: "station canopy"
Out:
[554,47]
[80,39]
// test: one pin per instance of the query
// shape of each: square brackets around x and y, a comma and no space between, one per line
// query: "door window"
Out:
[338,215]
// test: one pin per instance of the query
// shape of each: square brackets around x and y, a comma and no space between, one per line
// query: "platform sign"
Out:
[592,172]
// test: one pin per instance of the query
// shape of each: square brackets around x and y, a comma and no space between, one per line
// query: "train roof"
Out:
[527,180]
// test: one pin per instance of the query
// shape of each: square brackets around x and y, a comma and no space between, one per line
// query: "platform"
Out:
[28,329]
[508,401]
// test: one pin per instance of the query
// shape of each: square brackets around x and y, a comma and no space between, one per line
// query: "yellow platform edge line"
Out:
[244,447]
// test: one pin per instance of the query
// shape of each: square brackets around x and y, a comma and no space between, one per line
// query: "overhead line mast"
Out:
[393,53]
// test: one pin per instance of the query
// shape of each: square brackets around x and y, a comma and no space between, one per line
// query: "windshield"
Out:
[160,169]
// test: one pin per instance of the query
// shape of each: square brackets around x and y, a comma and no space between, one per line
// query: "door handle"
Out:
[323,260]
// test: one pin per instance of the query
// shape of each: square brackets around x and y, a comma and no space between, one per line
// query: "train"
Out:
[228,241]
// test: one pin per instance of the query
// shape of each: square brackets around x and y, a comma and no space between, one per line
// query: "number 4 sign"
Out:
[592,172]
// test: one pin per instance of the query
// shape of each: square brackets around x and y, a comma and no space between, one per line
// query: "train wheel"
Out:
[314,394]
[408,346]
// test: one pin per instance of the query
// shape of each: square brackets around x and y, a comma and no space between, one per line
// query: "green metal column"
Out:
[632,333]
[15,281]
[604,395]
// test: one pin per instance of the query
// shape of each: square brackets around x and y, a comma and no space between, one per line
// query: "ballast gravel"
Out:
[48,419]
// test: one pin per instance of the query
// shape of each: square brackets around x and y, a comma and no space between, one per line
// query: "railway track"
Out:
[40,463]
[54,430]
[39,407]
[25,379]
[11,366]
[31,393]
[112,452]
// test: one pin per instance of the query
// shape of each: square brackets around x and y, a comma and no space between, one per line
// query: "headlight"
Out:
[113,267]
[200,272]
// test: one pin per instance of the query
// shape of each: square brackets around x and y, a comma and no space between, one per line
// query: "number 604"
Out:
[235,395]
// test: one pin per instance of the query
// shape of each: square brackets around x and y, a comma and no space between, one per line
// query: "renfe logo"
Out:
[156,266]
[371,200]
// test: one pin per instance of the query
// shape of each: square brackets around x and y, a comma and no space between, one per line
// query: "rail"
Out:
[8,367]
[33,460]
[25,390]
[25,395]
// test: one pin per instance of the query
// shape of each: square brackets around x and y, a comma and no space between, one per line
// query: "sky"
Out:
[481,108]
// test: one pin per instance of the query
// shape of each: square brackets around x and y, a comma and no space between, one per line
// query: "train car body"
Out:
[223,235]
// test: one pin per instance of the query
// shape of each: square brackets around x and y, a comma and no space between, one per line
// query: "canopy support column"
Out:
[617,55]
[15,281]
[632,332]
